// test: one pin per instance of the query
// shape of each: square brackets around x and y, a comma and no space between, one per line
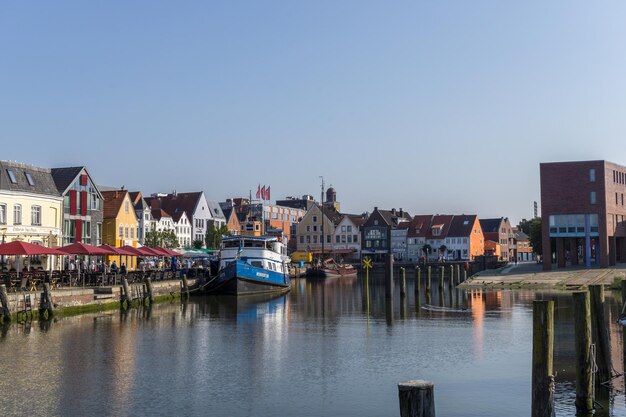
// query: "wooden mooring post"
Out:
[451,283]
[4,304]
[458,274]
[389,277]
[543,349]
[46,308]
[441,277]
[149,294]
[428,276]
[402,282]
[582,336]
[464,275]
[600,334]
[125,298]
[418,281]
[417,398]
[185,289]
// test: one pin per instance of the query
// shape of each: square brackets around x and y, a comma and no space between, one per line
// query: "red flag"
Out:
[258,191]
[267,196]
[263,193]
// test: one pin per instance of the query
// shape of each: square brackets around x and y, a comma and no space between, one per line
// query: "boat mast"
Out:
[322,200]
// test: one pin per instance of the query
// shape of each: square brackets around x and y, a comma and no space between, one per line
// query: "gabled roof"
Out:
[227,213]
[332,214]
[420,225]
[521,236]
[462,225]
[113,202]
[135,197]
[43,183]
[158,214]
[216,210]
[64,177]
[175,204]
[357,219]
[442,222]
[491,225]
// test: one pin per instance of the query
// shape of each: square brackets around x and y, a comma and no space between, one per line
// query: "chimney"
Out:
[401,212]
[393,211]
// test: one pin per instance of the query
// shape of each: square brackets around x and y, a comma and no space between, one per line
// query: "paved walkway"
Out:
[531,275]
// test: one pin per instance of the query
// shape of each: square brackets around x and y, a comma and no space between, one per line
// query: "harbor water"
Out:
[331,347]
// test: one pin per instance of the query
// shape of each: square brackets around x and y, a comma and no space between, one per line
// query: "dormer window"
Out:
[29,178]
[465,222]
[11,175]
[436,230]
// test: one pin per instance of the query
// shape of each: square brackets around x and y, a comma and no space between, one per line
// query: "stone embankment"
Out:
[75,300]
[531,276]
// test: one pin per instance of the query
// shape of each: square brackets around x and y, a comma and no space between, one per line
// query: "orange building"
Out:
[120,225]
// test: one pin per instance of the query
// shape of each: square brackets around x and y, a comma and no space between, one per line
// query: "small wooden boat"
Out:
[332,269]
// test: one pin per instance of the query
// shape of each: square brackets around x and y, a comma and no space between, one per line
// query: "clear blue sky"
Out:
[435,107]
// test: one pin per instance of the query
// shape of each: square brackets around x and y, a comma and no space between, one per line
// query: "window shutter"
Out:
[72,201]
[83,203]
[79,230]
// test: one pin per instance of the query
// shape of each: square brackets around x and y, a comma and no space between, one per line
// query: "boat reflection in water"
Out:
[249,308]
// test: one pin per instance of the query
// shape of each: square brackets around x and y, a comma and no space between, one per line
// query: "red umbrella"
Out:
[168,251]
[24,248]
[134,251]
[83,249]
[117,251]
[148,251]
[160,251]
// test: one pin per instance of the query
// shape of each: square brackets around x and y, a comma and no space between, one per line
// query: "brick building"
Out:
[583,213]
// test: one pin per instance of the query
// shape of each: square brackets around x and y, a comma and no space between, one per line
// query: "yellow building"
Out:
[119,225]
[30,209]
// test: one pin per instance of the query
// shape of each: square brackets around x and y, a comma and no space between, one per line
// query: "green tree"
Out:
[197,244]
[532,228]
[164,238]
[213,237]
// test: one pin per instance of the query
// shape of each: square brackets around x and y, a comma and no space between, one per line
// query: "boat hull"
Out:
[240,278]
[332,272]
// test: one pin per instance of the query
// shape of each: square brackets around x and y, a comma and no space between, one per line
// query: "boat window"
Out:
[231,244]
[258,264]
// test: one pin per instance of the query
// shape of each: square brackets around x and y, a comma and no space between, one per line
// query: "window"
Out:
[592,197]
[121,231]
[592,175]
[87,231]
[368,244]
[29,178]
[349,229]
[308,239]
[132,232]
[343,238]
[314,219]
[349,238]
[314,238]
[99,233]
[343,228]
[355,238]
[3,214]
[11,175]
[616,199]
[35,215]
[315,228]
[126,207]
[337,239]
[301,239]
[327,238]
[308,228]
[17,214]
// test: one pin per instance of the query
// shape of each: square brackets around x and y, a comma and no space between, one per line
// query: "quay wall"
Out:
[92,296]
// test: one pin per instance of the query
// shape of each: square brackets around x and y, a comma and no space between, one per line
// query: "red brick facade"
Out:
[586,188]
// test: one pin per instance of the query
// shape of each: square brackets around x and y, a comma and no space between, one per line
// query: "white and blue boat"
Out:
[251,265]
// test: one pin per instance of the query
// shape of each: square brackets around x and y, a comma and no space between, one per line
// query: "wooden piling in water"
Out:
[185,289]
[429,273]
[464,275]
[417,398]
[458,274]
[389,277]
[600,334]
[149,297]
[451,283]
[4,304]
[441,280]
[125,296]
[543,349]
[418,280]
[582,333]
[46,308]
[402,282]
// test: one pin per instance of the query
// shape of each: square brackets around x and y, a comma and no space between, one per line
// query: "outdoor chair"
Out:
[24,283]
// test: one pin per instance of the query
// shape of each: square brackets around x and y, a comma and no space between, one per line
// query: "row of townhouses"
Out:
[57,206]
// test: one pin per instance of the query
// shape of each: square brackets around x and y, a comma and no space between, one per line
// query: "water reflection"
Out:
[329,347]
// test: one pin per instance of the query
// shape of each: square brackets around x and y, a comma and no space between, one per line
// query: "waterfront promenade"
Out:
[531,275]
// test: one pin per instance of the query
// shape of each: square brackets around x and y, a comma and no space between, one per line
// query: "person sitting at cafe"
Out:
[114,267]
[123,269]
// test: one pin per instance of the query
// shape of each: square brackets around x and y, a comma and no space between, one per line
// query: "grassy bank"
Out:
[70,311]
